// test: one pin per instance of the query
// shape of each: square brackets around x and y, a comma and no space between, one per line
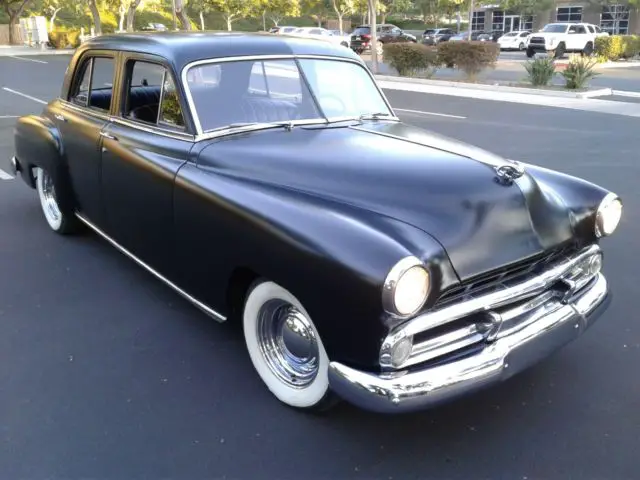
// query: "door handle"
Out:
[60,117]
[109,136]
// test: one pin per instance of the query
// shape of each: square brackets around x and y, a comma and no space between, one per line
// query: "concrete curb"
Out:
[497,88]
[15,52]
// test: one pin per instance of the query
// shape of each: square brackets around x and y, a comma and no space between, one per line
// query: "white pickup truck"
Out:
[559,38]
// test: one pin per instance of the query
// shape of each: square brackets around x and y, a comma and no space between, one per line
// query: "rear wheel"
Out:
[286,349]
[521,46]
[60,219]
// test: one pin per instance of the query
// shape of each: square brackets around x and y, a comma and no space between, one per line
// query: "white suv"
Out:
[558,38]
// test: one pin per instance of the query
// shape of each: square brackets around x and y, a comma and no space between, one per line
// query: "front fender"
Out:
[333,257]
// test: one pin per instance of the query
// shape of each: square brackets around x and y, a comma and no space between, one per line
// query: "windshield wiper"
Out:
[373,116]
[286,124]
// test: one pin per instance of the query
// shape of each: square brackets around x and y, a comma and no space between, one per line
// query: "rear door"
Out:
[80,119]
[144,147]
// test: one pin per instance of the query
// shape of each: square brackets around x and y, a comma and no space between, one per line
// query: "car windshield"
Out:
[555,28]
[259,91]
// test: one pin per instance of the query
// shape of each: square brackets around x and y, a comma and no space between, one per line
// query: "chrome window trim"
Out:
[86,110]
[202,306]
[200,134]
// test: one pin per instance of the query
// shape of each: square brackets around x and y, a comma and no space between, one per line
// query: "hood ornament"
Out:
[509,172]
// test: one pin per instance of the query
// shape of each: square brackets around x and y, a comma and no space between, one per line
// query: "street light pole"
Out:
[471,9]
[374,36]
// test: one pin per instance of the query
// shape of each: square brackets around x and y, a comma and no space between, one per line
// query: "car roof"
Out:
[182,48]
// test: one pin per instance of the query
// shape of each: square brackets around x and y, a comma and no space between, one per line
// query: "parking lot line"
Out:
[4,175]
[24,95]
[428,113]
[8,116]
[27,59]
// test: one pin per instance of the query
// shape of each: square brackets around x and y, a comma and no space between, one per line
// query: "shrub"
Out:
[541,70]
[615,47]
[61,38]
[579,71]
[470,57]
[412,59]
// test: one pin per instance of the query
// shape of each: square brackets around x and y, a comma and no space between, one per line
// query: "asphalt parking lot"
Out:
[107,374]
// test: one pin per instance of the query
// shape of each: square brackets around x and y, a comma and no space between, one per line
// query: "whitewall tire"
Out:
[57,218]
[285,348]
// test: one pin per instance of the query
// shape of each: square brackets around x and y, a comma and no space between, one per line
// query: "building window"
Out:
[498,20]
[526,23]
[477,22]
[569,14]
[615,19]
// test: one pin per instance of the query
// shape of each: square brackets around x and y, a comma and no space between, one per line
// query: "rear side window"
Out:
[94,84]
[151,96]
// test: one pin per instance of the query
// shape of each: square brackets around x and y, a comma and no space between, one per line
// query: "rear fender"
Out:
[38,143]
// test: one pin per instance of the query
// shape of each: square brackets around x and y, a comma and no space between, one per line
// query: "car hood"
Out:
[445,188]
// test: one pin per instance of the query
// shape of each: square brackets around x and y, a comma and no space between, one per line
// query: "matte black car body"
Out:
[386,33]
[325,210]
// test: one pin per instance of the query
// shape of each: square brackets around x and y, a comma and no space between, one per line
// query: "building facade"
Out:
[615,19]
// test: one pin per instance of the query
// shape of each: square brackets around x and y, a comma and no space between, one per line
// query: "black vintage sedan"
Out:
[267,180]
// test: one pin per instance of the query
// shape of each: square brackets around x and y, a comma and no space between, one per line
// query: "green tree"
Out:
[317,9]
[393,7]
[276,10]
[233,10]
[13,9]
[526,7]
[342,8]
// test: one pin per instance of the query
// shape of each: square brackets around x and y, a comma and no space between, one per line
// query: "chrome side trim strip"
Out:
[206,309]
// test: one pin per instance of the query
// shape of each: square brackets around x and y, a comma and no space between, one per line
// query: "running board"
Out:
[209,311]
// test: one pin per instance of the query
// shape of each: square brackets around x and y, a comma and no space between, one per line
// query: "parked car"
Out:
[282,30]
[464,36]
[385,33]
[516,40]
[433,36]
[556,39]
[267,180]
[321,34]
[491,36]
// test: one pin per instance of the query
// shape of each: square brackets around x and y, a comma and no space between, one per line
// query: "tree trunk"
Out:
[122,11]
[14,17]
[131,14]
[95,14]
[264,21]
[229,19]
[201,21]
[52,21]
[383,18]
[181,14]
[340,22]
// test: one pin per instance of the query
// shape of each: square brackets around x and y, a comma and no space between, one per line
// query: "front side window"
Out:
[267,91]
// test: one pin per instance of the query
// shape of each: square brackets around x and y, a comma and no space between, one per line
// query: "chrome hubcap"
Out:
[49,202]
[288,343]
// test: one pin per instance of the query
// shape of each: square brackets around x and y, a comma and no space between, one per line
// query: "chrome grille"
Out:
[505,276]
[536,40]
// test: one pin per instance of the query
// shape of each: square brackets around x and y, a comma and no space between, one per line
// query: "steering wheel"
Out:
[332,105]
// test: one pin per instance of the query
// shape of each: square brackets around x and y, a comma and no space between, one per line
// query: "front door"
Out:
[511,23]
[142,151]
[80,119]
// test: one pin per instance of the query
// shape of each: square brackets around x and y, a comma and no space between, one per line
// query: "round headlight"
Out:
[407,287]
[608,215]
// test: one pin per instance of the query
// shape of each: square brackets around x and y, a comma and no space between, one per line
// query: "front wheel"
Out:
[530,52]
[588,50]
[379,48]
[286,349]
[521,46]
[60,220]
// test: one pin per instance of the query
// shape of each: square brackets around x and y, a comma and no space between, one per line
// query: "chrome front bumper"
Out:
[553,324]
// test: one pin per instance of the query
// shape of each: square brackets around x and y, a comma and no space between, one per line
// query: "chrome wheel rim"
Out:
[48,199]
[288,343]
